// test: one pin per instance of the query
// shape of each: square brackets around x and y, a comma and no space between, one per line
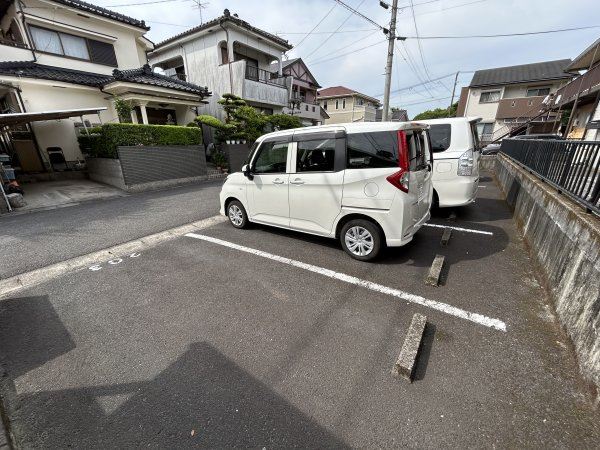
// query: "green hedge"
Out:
[104,140]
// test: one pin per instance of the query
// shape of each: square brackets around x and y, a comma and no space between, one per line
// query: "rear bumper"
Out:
[458,191]
[392,241]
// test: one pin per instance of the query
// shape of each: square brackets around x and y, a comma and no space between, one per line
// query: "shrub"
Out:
[104,140]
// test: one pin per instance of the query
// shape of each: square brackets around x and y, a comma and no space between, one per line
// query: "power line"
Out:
[328,32]
[354,11]
[412,8]
[331,35]
[344,47]
[451,7]
[315,27]
[528,33]
[406,88]
[439,99]
[349,53]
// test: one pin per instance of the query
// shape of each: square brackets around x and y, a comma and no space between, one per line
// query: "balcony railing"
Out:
[179,76]
[582,84]
[8,42]
[263,76]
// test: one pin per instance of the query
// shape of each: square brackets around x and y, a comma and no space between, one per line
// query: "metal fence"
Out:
[572,167]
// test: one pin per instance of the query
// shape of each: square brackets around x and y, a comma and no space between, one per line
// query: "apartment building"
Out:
[344,105]
[507,97]
[62,64]
[303,99]
[231,56]
[582,95]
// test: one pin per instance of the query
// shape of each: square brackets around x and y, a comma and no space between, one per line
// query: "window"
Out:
[337,104]
[372,150]
[416,151]
[73,46]
[272,158]
[325,105]
[315,156]
[538,92]
[485,129]
[440,136]
[313,109]
[360,102]
[306,107]
[489,97]
[344,104]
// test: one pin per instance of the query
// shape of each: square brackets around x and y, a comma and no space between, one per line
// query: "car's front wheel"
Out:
[361,239]
[237,214]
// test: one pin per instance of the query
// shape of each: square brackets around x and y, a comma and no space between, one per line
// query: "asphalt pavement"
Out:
[38,239]
[242,340]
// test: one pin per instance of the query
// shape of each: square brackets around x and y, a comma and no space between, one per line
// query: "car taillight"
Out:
[465,164]
[400,178]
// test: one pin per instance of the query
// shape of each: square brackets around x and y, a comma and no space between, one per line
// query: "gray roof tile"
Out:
[548,70]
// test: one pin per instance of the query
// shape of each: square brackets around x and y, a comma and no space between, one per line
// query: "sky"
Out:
[355,55]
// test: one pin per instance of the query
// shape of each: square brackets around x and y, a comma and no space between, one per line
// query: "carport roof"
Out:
[17,118]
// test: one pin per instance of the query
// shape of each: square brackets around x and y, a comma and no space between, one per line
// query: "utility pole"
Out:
[453,90]
[390,60]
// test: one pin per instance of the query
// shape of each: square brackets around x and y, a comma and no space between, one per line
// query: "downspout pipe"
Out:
[228,56]
[26,28]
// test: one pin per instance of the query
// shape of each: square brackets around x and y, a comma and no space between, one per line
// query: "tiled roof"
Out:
[143,75]
[98,10]
[548,70]
[337,91]
[226,17]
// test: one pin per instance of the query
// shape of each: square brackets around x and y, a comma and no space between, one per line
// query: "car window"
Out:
[372,150]
[475,137]
[440,135]
[416,151]
[315,156]
[272,158]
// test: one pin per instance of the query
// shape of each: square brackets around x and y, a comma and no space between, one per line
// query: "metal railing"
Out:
[263,76]
[11,43]
[572,167]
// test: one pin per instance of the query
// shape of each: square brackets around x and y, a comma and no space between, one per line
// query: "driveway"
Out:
[270,338]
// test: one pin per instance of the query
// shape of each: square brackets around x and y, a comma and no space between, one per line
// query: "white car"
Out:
[368,184]
[455,146]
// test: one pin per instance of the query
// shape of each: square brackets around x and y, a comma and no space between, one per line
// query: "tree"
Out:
[230,104]
[438,113]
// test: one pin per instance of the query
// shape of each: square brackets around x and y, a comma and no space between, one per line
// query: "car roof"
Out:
[452,120]
[355,127]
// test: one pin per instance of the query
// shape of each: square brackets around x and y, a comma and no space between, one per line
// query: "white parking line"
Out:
[466,230]
[443,307]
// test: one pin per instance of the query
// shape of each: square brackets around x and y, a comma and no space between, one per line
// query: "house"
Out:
[582,96]
[508,97]
[397,115]
[62,65]
[231,56]
[303,98]
[345,105]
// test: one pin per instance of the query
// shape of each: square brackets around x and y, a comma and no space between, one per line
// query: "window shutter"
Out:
[102,53]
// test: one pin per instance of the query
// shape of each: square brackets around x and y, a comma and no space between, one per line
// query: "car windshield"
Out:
[440,137]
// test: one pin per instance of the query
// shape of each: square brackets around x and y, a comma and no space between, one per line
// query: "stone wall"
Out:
[565,241]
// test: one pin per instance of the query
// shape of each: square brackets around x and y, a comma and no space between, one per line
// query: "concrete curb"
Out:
[446,236]
[433,277]
[405,365]
[37,276]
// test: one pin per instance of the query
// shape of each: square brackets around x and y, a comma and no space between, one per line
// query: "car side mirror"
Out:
[247,172]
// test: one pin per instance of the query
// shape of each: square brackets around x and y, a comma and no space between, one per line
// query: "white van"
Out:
[368,184]
[455,147]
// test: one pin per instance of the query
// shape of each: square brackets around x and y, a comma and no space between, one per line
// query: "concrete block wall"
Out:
[565,240]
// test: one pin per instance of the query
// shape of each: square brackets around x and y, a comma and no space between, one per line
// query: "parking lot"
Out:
[270,338]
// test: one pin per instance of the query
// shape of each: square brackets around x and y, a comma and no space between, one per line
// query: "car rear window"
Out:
[440,136]
[372,150]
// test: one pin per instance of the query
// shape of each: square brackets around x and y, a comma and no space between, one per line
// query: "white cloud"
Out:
[363,70]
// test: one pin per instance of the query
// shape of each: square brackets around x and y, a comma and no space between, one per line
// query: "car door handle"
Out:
[278,181]
[297,181]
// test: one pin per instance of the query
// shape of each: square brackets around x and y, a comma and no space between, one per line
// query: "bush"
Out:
[104,140]
[284,121]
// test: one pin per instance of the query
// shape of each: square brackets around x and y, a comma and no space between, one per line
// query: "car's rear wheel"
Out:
[361,239]
[237,214]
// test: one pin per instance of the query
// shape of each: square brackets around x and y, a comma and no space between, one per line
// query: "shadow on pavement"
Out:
[201,400]
[31,334]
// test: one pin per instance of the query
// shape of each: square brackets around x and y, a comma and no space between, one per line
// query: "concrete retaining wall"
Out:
[565,240]
[107,171]
[487,162]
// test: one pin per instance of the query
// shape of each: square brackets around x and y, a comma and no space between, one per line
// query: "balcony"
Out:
[14,51]
[585,84]
[263,76]
[520,107]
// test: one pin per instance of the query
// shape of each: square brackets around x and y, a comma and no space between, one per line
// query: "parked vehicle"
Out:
[455,148]
[366,184]
[491,149]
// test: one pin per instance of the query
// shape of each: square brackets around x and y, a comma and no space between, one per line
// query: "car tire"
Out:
[236,213]
[361,239]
